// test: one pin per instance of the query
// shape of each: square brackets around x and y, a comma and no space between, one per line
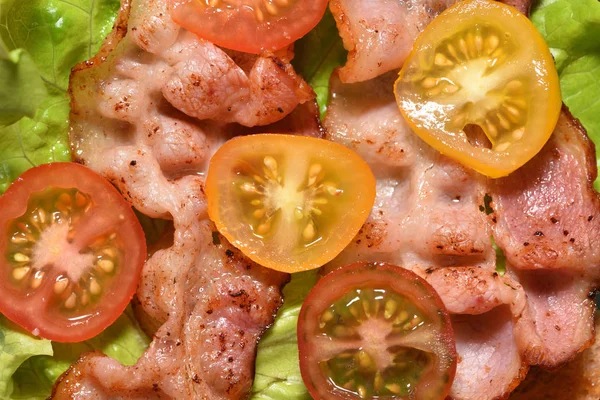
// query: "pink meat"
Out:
[139,120]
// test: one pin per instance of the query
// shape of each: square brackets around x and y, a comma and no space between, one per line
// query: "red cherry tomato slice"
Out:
[375,331]
[71,252]
[250,26]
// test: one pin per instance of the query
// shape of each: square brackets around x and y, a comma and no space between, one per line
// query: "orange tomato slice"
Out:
[289,203]
[483,63]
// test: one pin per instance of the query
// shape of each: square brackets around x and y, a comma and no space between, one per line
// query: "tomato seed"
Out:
[80,200]
[503,122]
[502,147]
[402,317]
[309,231]
[85,298]
[18,239]
[362,392]
[71,301]
[37,279]
[271,165]
[259,213]
[518,134]
[110,252]
[106,266]
[355,311]
[378,381]
[491,43]
[271,8]
[364,360]
[20,257]
[95,287]
[65,199]
[60,285]
[20,273]
[393,387]
[390,308]
[42,215]
[442,61]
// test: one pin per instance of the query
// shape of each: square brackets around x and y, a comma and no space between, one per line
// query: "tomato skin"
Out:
[35,309]
[364,275]
[481,63]
[239,29]
[337,220]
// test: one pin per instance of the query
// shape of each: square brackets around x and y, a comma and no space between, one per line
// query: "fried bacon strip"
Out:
[430,216]
[547,221]
[147,114]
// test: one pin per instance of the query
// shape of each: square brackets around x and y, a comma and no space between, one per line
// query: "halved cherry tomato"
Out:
[375,331]
[290,203]
[251,26]
[481,62]
[71,252]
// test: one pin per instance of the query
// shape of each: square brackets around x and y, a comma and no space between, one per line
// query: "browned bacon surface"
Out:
[430,216]
[148,113]
[379,34]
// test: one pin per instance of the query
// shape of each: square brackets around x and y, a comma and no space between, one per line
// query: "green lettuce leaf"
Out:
[40,41]
[22,88]
[16,347]
[56,33]
[277,375]
[124,341]
[572,30]
[317,54]
[33,141]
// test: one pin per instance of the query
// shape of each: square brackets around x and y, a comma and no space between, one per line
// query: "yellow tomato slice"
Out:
[290,203]
[483,63]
